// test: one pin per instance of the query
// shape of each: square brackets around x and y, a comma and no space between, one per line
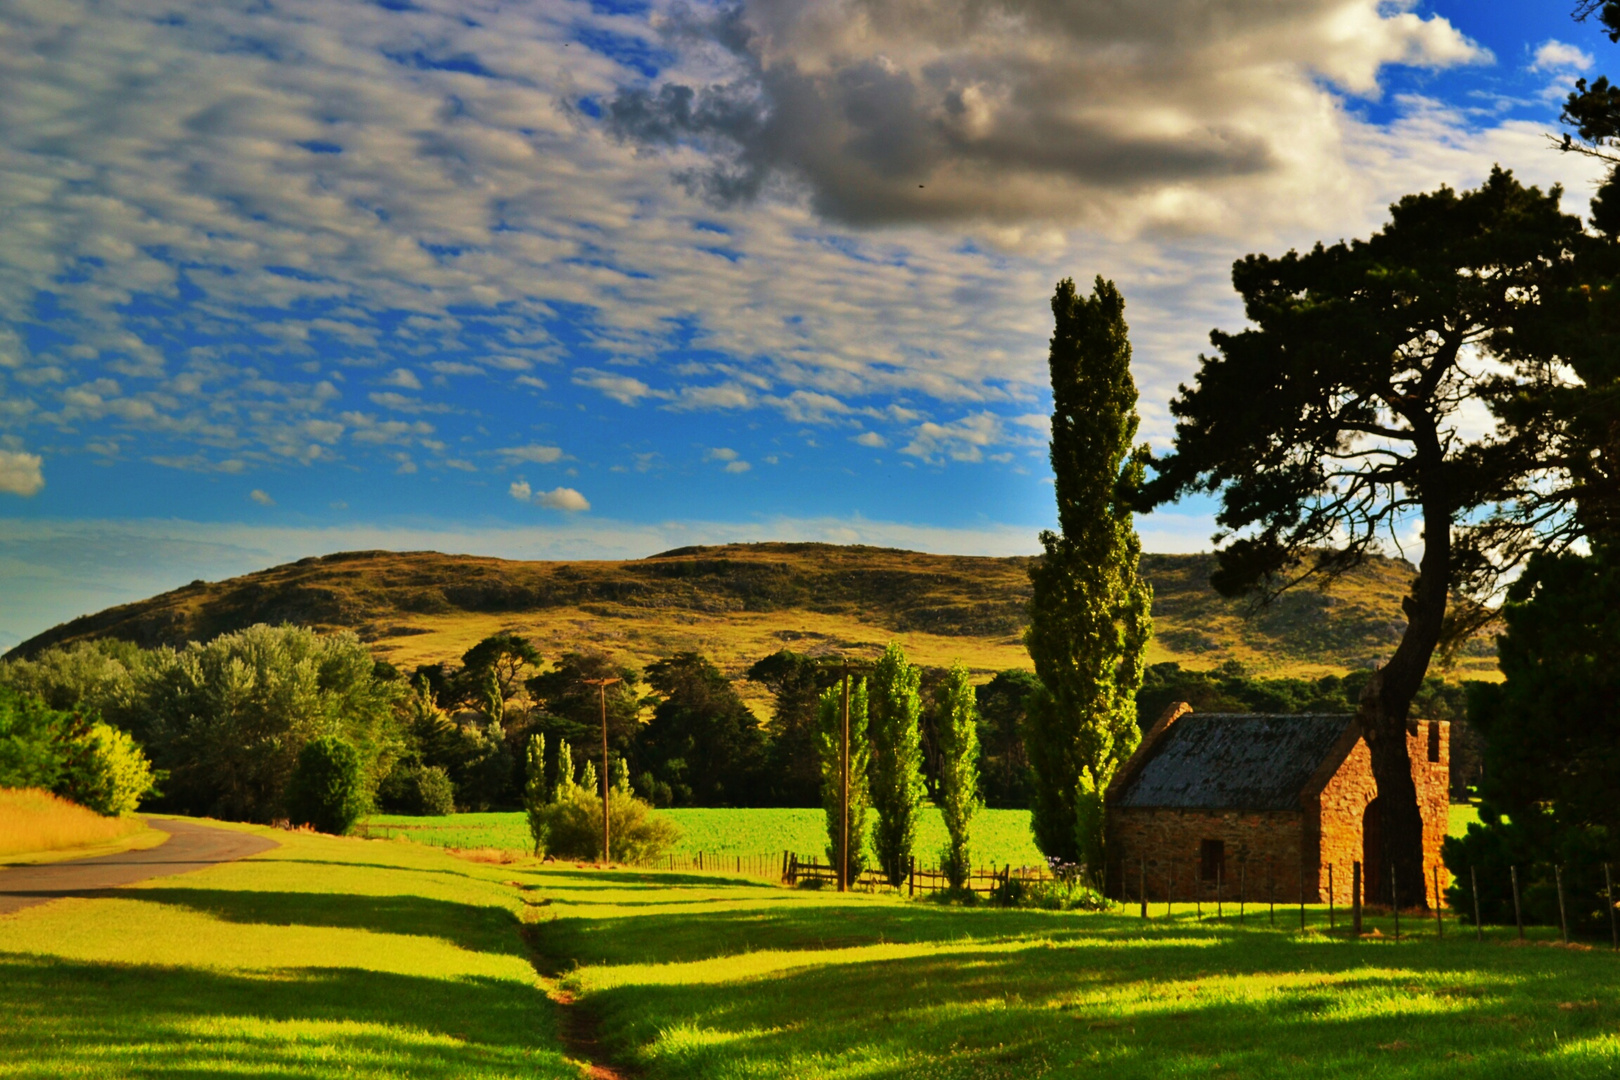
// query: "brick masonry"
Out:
[1265,850]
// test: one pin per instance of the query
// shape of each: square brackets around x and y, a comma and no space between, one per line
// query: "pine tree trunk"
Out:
[1386,703]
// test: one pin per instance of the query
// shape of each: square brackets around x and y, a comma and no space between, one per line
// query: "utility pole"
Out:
[602,685]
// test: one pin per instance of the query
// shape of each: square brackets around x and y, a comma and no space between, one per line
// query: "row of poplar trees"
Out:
[885,766]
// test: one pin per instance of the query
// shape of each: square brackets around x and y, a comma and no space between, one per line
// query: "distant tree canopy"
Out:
[226,720]
[703,746]
[796,682]
[1003,765]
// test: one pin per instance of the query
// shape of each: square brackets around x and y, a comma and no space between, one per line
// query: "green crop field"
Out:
[999,836]
[379,959]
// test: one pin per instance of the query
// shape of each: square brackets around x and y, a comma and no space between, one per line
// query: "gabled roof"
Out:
[1232,761]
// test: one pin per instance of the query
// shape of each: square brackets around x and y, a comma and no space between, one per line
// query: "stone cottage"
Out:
[1248,801]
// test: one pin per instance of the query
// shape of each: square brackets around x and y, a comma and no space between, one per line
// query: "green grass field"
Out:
[380,959]
[323,958]
[999,836]
[690,978]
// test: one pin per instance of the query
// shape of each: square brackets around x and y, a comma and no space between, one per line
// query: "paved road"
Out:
[190,847]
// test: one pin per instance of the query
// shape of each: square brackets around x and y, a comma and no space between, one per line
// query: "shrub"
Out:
[88,762]
[417,789]
[436,795]
[326,790]
[32,737]
[108,774]
[573,826]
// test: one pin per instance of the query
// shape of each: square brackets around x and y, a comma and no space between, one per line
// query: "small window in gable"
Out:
[1212,859]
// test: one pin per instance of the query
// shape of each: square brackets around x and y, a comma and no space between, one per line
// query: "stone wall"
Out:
[1262,851]
[1344,799]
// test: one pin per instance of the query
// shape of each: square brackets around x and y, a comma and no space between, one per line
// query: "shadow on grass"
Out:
[477,928]
[1155,1005]
[66,1017]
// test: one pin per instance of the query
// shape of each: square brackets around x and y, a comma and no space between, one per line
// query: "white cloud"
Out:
[959,440]
[738,466]
[261,497]
[288,161]
[621,388]
[534,452]
[520,490]
[20,473]
[563,498]
[404,378]
[1554,55]
[870,438]
[720,453]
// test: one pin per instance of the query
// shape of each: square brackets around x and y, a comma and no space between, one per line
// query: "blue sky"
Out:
[596,279]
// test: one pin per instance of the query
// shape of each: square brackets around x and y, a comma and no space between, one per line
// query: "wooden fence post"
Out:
[1271,889]
[1395,902]
[1608,892]
[1331,925]
[1439,921]
[1243,876]
[1170,889]
[1355,898]
[1563,920]
[1473,880]
[1302,895]
[1518,913]
[1220,868]
[1144,886]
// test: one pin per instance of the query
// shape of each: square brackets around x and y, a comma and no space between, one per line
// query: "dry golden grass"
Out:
[34,821]
[737,603]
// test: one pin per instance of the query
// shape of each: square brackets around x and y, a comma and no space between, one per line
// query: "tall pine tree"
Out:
[829,744]
[1089,613]
[895,730]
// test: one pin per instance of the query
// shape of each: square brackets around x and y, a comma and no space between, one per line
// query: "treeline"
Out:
[225,722]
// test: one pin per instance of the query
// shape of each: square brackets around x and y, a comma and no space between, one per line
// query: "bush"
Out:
[573,826]
[435,794]
[88,762]
[417,789]
[109,774]
[326,790]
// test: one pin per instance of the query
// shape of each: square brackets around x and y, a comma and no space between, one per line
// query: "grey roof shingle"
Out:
[1235,761]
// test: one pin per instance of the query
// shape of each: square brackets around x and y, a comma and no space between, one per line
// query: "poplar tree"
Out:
[957,722]
[829,745]
[896,737]
[1090,610]
[535,792]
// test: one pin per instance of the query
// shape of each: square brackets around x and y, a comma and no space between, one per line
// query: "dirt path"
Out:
[190,847]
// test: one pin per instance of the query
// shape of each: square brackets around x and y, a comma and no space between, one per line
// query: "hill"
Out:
[739,602]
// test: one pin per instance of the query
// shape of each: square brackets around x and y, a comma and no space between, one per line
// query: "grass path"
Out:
[322,958]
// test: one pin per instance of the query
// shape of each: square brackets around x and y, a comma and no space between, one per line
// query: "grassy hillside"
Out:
[739,602]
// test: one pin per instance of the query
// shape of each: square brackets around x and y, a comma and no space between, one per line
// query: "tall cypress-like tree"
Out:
[957,721]
[829,744]
[1090,610]
[896,736]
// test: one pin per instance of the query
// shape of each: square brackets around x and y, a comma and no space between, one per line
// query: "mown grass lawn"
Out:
[323,958]
[700,978]
[380,959]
